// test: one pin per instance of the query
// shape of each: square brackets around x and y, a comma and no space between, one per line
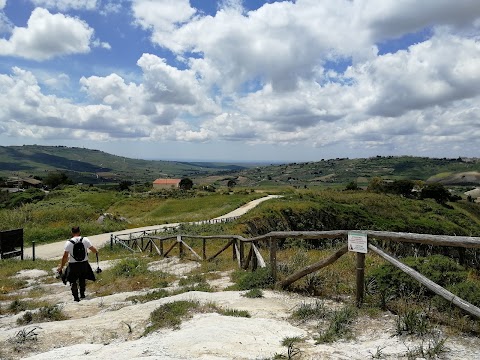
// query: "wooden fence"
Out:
[253,258]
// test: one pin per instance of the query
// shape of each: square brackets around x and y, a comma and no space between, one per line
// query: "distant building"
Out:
[166,184]
[23,183]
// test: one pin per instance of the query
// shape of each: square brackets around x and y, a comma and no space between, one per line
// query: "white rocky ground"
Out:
[110,327]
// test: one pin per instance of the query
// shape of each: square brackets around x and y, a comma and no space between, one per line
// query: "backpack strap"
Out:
[73,242]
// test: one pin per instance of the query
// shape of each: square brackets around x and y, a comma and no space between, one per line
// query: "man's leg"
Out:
[82,284]
[74,287]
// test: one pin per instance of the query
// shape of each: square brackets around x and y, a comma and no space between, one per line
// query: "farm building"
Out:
[166,184]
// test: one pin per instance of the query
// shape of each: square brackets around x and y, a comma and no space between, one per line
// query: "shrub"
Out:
[310,311]
[339,325]
[129,267]
[390,281]
[234,313]
[259,279]
[170,315]
[46,313]
[467,290]
[412,322]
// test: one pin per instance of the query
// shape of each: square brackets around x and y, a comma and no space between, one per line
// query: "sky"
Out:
[251,80]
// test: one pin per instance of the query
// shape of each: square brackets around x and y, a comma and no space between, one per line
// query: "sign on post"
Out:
[357,242]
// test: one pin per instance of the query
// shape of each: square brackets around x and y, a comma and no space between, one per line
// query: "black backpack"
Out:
[78,252]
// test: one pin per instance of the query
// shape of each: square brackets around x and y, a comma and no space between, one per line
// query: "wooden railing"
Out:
[253,258]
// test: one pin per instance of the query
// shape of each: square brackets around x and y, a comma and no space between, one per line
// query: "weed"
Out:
[46,313]
[292,349]
[339,325]
[253,294]
[192,279]
[310,311]
[431,348]
[378,354]
[25,335]
[234,312]
[170,315]
[153,295]
[23,338]
[412,322]
[17,306]
[129,267]
[259,279]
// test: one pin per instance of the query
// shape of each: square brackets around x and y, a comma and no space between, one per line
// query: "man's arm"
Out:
[93,249]
[64,261]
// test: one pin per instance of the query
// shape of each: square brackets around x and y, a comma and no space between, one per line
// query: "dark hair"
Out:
[76,230]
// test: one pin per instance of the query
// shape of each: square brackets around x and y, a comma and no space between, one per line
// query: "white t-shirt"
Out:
[69,247]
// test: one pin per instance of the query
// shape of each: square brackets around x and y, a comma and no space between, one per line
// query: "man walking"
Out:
[78,269]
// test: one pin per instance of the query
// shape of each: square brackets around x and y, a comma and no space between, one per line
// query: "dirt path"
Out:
[53,251]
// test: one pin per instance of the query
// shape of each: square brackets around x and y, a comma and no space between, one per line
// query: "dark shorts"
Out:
[78,270]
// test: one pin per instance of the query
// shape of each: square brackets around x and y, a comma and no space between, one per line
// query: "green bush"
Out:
[259,279]
[339,325]
[129,267]
[46,313]
[170,315]
[467,290]
[391,282]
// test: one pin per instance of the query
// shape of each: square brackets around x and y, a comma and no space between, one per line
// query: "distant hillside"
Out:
[94,166]
[342,171]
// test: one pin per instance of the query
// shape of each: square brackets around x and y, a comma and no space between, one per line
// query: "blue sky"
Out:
[249,80]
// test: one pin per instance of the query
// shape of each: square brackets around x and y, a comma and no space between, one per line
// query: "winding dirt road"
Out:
[54,251]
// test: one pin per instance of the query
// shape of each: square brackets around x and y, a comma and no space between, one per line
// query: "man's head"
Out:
[76,230]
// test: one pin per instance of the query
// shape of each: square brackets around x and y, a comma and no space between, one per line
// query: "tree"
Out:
[231,183]
[400,187]
[435,191]
[56,178]
[376,184]
[352,185]
[124,185]
[185,184]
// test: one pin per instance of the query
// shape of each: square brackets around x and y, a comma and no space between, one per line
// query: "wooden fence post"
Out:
[360,278]
[204,249]
[273,258]
[33,250]
[241,249]
[180,246]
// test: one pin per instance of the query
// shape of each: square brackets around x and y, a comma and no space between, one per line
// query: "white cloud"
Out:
[163,15]
[2,4]
[111,8]
[48,35]
[65,5]
[5,24]
[432,73]
[266,76]
[395,18]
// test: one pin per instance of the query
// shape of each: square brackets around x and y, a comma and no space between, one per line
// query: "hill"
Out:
[94,166]
[341,171]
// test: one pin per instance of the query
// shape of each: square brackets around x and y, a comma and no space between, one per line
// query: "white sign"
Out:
[357,242]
